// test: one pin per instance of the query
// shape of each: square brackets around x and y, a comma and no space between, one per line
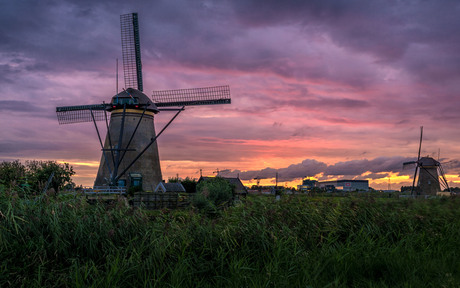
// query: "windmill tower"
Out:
[430,174]
[130,152]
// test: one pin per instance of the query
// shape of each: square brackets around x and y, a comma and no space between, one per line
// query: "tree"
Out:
[212,193]
[189,185]
[33,176]
[40,171]
[12,174]
[173,180]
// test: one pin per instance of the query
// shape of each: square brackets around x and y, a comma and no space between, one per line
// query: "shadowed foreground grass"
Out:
[296,242]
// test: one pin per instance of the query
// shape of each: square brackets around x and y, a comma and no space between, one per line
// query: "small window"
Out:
[122,183]
[136,179]
[136,182]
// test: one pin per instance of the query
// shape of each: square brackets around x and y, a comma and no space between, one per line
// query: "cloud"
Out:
[18,106]
[358,167]
[312,167]
[327,80]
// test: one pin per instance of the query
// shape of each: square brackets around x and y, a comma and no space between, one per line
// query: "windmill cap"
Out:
[428,161]
[141,99]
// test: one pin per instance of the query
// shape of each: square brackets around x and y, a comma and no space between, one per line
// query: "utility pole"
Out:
[276,180]
[277,193]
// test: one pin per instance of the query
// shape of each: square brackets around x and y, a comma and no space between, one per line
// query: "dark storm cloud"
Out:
[358,167]
[361,25]
[312,167]
[308,167]
[18,106]
[19,147]
[452,166]
[323,63]
[56,35]
[324,103]
[210,34]
[418,36]
[63,33]
[382,28]
[266,173]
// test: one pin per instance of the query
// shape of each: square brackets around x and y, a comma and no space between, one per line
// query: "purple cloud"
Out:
[341,80]
[312,167]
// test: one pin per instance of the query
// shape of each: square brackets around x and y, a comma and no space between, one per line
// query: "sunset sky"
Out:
[323,89]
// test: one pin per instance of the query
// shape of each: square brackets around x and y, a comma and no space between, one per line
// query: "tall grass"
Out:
[296,242]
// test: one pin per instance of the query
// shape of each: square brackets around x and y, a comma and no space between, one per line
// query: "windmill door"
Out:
[136,179]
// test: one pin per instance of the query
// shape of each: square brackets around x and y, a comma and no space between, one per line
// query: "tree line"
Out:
[32,177]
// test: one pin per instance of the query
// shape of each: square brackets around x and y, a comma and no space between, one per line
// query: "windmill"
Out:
[430,173]
[130,152]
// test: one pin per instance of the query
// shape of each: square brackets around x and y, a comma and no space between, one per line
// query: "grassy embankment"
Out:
[296,242]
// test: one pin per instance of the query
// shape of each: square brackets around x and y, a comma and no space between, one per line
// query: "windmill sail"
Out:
[418,161]
[81,113]
[193,96]
[131,50]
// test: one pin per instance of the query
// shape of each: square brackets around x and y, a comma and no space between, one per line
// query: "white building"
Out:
[346,185]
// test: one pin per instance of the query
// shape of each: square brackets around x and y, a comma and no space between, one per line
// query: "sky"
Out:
[322,89]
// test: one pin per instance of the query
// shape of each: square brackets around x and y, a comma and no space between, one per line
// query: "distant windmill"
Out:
[130,153]
[430,173]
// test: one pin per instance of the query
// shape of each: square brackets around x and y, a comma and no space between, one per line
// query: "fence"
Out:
[153,200]
[104,190]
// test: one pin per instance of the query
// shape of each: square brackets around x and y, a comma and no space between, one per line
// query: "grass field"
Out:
[296,242]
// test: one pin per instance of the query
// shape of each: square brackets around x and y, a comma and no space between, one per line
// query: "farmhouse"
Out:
[346,185]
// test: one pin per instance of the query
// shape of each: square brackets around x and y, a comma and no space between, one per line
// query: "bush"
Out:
[31,177]
[12,173]
[217,190]
[200,202]
[134,189]
[188,183]
[212,194]
[40,171]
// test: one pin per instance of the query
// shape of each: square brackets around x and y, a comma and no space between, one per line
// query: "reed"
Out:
[295,242]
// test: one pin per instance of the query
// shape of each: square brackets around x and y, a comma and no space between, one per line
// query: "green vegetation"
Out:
[188,183]
[212,195]
[296,242]
[31,178]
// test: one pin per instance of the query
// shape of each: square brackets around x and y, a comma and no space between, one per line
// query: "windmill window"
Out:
[136,179]
[122,183]
[129,101]
[136,182]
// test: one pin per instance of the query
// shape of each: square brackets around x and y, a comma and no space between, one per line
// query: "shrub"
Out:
[189,185]
[39,172]
[134,189]
[32,176]
[212,194]
[217,190]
